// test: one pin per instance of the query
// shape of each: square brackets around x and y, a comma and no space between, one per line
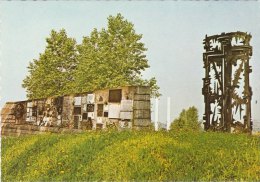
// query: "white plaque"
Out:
[90,98]
[77,101]
[99,120]
[113,110]
[126,105]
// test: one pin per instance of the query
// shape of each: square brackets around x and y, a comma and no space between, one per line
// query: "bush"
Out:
[187,120]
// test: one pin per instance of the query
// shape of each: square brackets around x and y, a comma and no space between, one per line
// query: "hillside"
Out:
[131,156]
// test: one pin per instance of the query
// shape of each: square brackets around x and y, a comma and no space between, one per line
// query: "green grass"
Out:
[117,156]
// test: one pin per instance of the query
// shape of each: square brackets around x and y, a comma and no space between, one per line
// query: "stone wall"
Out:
[11,129]
[123,107]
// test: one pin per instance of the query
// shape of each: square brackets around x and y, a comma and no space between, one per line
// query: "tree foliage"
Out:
[111,57]
[187,120]
[52,72]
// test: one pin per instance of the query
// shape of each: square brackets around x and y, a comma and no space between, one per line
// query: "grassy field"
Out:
[131,156]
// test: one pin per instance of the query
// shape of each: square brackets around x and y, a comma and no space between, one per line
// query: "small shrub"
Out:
[188,120]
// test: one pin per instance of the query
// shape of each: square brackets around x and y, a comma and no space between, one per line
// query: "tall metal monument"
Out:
[226,89]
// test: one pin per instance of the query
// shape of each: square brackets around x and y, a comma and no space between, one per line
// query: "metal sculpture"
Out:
[226,89]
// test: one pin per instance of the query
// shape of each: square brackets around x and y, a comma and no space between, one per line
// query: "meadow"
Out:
[131,155]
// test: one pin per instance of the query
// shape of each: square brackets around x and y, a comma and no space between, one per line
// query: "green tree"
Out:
[112,57]
[187,120]
[107,58]
[51,73]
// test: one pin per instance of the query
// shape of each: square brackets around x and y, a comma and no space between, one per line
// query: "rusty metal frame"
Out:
[226,89]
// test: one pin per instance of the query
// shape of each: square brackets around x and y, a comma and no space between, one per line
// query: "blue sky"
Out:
[172,31]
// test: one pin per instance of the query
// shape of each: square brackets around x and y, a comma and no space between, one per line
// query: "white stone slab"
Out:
[91,98]
[77,101]
[126,115]
[126,105]
[113,110]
